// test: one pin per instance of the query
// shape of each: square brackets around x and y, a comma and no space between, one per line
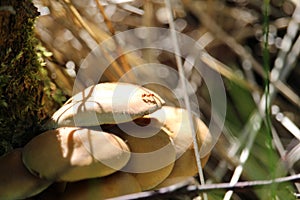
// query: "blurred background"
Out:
[231,34]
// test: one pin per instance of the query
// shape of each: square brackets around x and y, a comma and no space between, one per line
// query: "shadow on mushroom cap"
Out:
[16,181]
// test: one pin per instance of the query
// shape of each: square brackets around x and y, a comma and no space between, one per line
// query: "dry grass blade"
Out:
[235,46]
[222,35]
[226,72]
[186,98]
[124,62]
[114,64]
[251,128]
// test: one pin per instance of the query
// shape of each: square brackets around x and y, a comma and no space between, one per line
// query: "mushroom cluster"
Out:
[111,139]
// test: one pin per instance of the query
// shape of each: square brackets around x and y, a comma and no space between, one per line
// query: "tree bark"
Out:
[23,103]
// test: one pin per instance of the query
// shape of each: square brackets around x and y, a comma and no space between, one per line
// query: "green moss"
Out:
[24,104]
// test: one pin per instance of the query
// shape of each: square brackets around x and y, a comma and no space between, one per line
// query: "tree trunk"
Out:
[24,103]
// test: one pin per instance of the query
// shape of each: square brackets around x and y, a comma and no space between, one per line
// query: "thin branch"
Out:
[192,190]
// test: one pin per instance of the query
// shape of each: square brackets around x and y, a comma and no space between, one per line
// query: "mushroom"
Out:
[184,168]
[152,152]
[71,154]
[175,123]
[114,185]
[16,181]
[107,103]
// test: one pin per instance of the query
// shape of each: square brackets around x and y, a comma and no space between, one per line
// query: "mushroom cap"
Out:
[175,123]
[117,184]
[152,153]
[107,103]
[16,181]
[71,154]
[184,167]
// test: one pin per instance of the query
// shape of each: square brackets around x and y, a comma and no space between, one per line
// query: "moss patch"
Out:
[23,81]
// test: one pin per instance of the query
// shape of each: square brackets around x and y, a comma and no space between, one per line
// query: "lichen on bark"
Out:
[23,81]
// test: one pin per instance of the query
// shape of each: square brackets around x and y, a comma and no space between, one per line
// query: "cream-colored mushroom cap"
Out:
[152,153]
[107,103]
[71,154]
[184,167]
[16,182]
[117,184]
[175,123]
